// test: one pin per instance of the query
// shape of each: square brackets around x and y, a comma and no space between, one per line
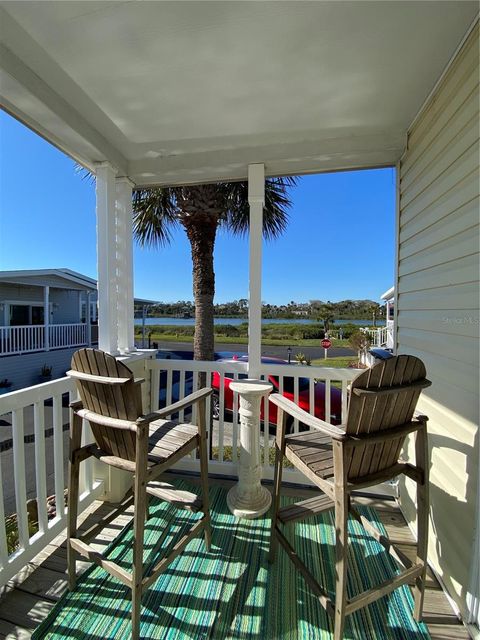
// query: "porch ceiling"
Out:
[179,92]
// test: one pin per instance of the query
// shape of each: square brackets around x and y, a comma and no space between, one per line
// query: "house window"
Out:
[25,314]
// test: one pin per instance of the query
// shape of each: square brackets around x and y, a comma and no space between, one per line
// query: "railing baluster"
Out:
[344,399]
[195,406]
[40,464]
[235,424]
[221,418]
[57,421]
[295,399]
[181,394]
[168,395]
[3,533]
[19,475]
[311,395]
[155,389]
[328,401]
[266,428]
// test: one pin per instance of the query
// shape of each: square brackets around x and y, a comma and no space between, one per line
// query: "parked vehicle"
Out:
[288,391]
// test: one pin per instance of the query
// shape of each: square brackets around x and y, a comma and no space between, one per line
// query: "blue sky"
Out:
[339,243]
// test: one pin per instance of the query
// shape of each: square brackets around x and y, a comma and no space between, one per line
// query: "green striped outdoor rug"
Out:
[232,592]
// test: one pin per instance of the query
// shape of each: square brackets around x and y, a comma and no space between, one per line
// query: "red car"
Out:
[288,392]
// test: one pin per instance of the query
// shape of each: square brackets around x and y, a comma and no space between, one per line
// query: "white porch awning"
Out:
[190,92]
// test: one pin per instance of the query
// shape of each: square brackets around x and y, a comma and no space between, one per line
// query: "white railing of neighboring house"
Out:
[378,337]
[171,380]
[30,338]
[23,339]
[13,405]
[67,335]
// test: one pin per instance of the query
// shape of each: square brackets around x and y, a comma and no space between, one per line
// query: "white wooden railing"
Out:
[378,337]
[67,335]
[177,378]
[30,338]
[29,470]
[22,339]
[169,380]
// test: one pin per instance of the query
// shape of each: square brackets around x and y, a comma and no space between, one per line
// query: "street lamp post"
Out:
[289,351]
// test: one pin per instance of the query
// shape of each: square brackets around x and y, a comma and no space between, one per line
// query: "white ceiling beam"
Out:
[12,65]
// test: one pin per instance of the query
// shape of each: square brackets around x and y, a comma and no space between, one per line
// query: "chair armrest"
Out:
[420,417]
[315,423]
[188,401]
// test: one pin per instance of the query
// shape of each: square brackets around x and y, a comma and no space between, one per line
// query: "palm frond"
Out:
[275,212]
[154,215]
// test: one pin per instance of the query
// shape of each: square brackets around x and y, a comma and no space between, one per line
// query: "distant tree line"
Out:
[324,312]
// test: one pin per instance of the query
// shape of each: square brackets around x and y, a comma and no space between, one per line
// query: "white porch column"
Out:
[256,201]
[107,259]
[46,318]
[123,208]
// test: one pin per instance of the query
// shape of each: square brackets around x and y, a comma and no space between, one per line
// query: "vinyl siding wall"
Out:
[438,307]
[65,302]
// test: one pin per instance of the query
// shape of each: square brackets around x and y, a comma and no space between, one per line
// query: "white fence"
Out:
[27,411]
[21,339]
[30,338]
[303,384]
[378,337]
[39,413]
[67,335]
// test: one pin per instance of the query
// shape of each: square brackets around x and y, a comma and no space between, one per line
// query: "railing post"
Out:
[89,321]
[256,201]
[46,318]
[107,259]
[124,225]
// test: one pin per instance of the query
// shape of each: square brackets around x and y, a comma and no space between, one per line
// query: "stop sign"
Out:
[326,343]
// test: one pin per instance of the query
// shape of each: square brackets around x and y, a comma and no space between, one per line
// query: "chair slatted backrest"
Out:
[121,401]
[369,413]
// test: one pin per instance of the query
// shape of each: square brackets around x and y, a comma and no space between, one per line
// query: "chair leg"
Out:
[277,483]
[137,574]
[422,523]
[147,507]
[73,491]
[139,510]
[202,447]
[341,548]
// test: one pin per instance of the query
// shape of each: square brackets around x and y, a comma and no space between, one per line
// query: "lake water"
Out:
[238,321]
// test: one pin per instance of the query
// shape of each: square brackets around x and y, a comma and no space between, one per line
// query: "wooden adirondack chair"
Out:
[145,445]
[362,452]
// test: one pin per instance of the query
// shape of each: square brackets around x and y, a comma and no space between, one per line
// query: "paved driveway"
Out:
[275,351]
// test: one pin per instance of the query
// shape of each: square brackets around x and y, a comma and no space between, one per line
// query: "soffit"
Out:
[175,92]
[57,278]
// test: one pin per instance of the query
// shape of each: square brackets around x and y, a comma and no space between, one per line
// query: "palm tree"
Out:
[201,210]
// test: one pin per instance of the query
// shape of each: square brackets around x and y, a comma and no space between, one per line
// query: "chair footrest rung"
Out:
[96,557]
[177,497]
[305,508]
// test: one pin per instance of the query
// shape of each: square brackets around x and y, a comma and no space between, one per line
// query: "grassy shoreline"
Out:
[281,334]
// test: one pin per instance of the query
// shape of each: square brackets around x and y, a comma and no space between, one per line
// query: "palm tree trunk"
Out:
[201,234]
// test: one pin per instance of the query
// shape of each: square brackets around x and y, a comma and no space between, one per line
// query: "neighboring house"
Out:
[43,319]
[389,297]
[384,337]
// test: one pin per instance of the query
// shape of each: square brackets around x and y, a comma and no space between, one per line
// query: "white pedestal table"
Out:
[248,499]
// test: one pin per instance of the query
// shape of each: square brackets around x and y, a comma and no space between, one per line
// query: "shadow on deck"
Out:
[29,597]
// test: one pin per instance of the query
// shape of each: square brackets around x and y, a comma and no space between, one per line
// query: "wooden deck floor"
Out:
[28,598]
